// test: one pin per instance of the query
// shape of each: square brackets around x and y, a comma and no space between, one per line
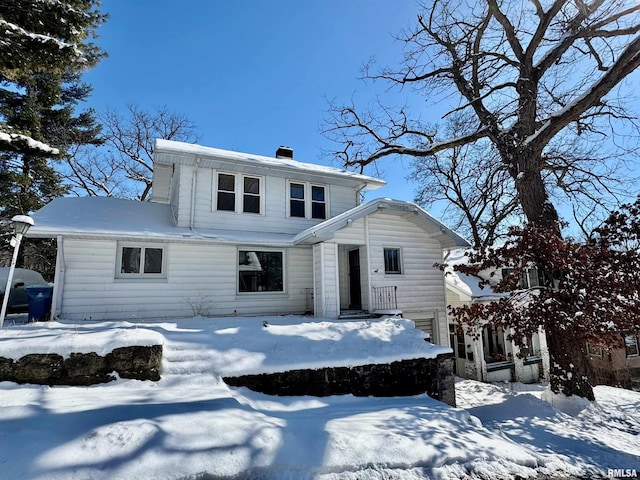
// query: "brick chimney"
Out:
[284,152]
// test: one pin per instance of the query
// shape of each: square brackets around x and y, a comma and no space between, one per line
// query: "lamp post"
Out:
[21,223]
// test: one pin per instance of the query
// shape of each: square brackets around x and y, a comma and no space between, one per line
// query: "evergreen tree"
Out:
[44,48]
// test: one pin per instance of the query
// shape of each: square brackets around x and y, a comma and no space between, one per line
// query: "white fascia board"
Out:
[325,230]
[252,162]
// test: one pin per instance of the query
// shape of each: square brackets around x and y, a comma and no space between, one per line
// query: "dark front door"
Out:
[355,292]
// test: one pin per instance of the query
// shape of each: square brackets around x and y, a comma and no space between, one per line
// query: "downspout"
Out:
[436,326]
[358,190]
[315,282]
[323,286]
[337,279]
[194,186]
[58,279]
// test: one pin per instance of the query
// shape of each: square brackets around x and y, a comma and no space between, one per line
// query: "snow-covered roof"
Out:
[114,217]
[466,285]
[170,146]
[325,230]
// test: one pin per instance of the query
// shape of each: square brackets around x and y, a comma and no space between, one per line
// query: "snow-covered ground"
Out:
[190,425]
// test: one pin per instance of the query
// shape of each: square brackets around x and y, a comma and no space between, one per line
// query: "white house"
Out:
[229,233]
[489,355]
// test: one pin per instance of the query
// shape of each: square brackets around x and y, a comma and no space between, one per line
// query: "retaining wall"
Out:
[141,363]
[433,376]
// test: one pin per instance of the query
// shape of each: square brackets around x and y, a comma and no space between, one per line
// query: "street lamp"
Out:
[21,223]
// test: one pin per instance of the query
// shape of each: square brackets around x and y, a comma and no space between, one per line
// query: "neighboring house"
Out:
[489,355]
[229,233]
[618,365]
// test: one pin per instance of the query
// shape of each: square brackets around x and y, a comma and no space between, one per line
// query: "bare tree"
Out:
[538,78]
[478,192]
[123,167]
[533,77]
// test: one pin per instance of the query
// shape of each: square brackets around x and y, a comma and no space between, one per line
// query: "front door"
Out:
[355,292]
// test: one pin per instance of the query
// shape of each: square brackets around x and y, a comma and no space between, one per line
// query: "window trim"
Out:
[594,351]
[524,283]
[312,201]
[400,270]
[290,199]
[637,344]
[239,192]
[143,246]
[307,199]
[267,250]
[217,191]
[243,179]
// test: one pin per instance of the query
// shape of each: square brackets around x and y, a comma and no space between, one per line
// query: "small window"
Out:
[260,271]
[141,261]
[296,200]
[530,279]
[533,278]
[226,192]
[594,351]
[318,203]
[631,345]
[251,199]
[392,260]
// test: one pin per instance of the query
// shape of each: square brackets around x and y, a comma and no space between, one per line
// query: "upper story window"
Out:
[529,280]
[318,202]
[226,192]
[307,201]
[250,195]
[141,261]
[392,261]
[296,200]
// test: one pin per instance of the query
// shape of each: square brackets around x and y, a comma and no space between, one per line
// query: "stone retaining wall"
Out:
[141,363]
[433,376]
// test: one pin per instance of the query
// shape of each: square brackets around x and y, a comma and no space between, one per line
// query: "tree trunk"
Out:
[569,365]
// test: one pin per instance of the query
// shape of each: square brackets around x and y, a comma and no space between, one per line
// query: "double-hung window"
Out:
[392,261]
[238,193]
[307,200]
[226,192]
[296,200]
[631,346]
[530,279]
[141,261]
[260,271]
[318,202]
[251,195]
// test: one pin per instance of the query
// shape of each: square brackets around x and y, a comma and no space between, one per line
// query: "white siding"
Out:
[420,285]
[199,276]
[183,211]
[161,187]
[325,257]
[423,320]
[273,217]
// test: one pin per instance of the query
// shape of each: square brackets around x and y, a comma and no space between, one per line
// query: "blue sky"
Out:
[252,75]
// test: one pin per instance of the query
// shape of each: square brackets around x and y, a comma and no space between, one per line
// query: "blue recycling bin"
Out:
[39,302]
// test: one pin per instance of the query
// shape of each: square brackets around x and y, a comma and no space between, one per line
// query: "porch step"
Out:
[354,314]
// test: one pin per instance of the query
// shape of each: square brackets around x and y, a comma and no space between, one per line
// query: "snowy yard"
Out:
[190,425]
